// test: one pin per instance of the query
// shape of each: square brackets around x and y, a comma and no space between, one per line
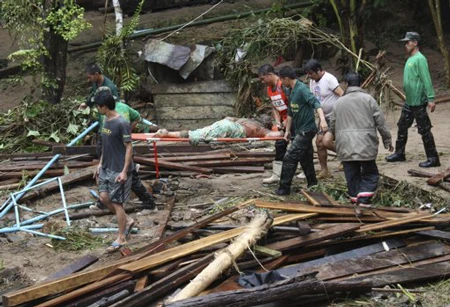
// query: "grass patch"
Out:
[76,239]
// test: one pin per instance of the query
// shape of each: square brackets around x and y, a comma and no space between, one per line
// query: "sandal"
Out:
[114,247]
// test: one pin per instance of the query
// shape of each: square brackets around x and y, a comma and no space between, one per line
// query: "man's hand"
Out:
[280,126]
[194,141]
[287,136]
[323,126]
[82,106]
[122,178]
[432,106]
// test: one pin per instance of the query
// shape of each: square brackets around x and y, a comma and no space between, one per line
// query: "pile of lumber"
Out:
[317,249]
[177,159]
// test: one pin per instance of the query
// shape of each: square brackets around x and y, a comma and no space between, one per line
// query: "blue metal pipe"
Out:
[48,214]
[8,204]
[147,122]
[14,229]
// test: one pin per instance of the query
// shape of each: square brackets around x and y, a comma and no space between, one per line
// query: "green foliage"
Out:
[265,37]
[115,58]
[67,20]
[29,20]
[76,239]
[29,120]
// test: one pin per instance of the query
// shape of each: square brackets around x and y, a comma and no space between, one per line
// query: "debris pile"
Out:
[303,252]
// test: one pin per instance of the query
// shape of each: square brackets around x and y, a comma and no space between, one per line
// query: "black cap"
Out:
[411,36]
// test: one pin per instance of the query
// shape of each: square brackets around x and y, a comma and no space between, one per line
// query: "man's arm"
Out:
[381,126]
[424,75]
[323,121]
[277,117]
[287,132]
[135,117]
[338,91]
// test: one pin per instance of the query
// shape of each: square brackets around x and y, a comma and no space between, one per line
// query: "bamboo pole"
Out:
[226,257]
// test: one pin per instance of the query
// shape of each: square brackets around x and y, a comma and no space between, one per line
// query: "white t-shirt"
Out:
[323,91]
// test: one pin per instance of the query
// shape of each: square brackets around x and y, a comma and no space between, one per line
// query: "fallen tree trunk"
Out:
[286,289]
[225,258]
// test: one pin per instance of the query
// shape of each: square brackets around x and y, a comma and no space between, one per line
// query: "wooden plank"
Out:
[191,113]
[181,101]
[329,233]
[365,236]
[37,166]
[87,300]
[438,234]
[275,292]
[310,198]
[438,268]
[300,257]
[76,266]
[173,165]
[164,218]
[238,169]
[85,290]
[220,86]
[358,252]
[304,207]
[229,162]
[57,286]
[254,154]
[396,257]
[222,155]
[440,177]
[138,149]
[393,223]
[30,155]
[141,283]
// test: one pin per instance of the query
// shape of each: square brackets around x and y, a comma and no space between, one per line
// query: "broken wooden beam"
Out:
[278,291]
[438,178]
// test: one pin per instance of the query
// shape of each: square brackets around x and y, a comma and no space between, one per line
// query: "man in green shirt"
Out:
[419,93]
[97,79]
[302,104]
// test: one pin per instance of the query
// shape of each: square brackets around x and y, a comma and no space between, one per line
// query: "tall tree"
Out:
[43,29]
[435,9]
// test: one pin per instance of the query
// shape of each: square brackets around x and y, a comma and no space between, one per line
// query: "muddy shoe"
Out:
[431,162]
[396,157]
[282,191]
